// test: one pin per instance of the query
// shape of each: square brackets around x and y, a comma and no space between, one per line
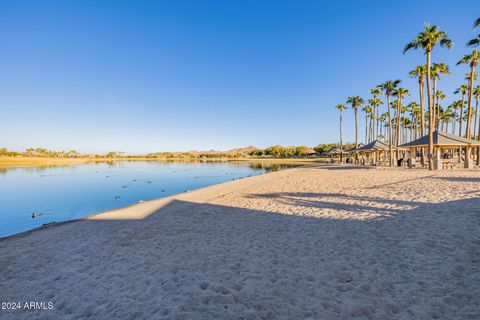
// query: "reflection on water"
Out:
[30,197]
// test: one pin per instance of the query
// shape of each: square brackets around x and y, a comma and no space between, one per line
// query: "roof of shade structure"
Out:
[335,151]
[442,139]
[360,145]
[376,145]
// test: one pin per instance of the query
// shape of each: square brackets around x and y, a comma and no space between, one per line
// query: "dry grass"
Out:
[19,162]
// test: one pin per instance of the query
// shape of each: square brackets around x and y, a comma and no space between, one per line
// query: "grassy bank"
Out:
[22,162]
[18,162]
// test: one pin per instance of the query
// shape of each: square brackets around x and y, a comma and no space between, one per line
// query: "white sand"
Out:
[309,243]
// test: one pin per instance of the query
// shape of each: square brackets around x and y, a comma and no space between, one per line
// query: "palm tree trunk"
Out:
[341,143]
[399,114]
[470,94]
[460,127]
[385,131]
[475,136]
[390,149]
[478,138]
[437,106]
[454,121]
[422,115]
[434,99]
[356,127]
[366,127]
[430,115]
[378,123]
[371,130]
[461,115]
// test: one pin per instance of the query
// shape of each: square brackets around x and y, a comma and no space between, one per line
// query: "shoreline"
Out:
[324,242]
[115,211]
[173,196]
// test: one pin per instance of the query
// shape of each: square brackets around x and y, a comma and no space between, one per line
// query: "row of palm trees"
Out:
[410,118]
[413,120]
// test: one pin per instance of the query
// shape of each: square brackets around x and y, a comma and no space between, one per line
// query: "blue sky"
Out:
[144,76]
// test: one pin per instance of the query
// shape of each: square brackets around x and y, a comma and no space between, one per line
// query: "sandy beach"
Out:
[325,242]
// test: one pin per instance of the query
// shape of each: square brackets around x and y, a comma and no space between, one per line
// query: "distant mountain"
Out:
[243,150]
[232,151]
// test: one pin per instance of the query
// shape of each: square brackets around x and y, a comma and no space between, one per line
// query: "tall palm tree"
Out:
[419,72]
[383,120]
[388,87]
[471,59]
[415,113]
[476,93]
[455,107]
[375,104]
[340,108]
[463,89]
[400,93]
[437,70]
[376,92]
[477,96]
[439,96]
[356,102]
[368,112]
[427,40]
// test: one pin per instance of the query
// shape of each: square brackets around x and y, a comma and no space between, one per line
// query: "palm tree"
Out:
[388,88]
[427,40]
[439,96]
[368,112]
[400,93]
[455,106]
[475,42]
[477,96]
[356,102]
[340,108]
[437,70]
[415,113]
[476,92]
[376,106]
[420,72]
[463,89]
[471,59]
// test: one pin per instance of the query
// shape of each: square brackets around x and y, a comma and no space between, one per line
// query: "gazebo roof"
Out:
[335,151]
[376,145]
[442,139]
[360,145]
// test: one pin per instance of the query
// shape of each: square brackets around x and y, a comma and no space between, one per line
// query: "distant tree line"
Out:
[276,151]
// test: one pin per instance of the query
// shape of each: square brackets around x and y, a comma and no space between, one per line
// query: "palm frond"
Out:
[475,42]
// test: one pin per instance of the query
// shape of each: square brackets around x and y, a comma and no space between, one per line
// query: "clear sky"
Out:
[144,76]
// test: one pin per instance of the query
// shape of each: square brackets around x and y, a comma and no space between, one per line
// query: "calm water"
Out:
[65,193]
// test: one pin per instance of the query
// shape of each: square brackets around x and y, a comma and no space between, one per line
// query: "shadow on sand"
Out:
[459,179]
[203,261]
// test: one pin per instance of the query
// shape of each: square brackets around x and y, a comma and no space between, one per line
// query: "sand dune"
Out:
[323,242]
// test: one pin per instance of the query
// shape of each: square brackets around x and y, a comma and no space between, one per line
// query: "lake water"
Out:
[71,192]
